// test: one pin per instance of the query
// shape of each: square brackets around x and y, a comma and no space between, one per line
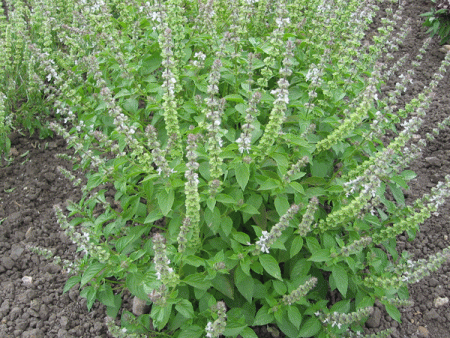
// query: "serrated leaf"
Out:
[248,333]
[310,327]
[161,315]
[131,105]
[185,308]
[281,205]
[197,280]
[192,331]
[223,284]
[90,294]
[270,265]
[408,175]
[91,271]
[341,278]
[71,282]
[244,284]
[322,255]
[296,246]
[135,284]
[398,193]
[106,295]
[393,312]
[295,317]
[112,311]
[153,216]
[263,317]
[270,184]
[165,201]
[242,174]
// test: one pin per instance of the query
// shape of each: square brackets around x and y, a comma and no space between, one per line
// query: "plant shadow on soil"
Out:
[30,185]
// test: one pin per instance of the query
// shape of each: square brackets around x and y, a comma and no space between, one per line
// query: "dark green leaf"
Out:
[270,184]
[393,312]
[131,105]
[263,317]
[242,174]
[165,201]
[341,278]
[71,282]
[398,193]
[322,255]
[270,265]
[294,315]
[160,315]
[106,296]
[192,331]
[198,281]
[248,333]
[223,284]
[134,283]
[91,272]
[281,205]
[296,246]
[89,293]
[185,308]
[244,284]
[310,327]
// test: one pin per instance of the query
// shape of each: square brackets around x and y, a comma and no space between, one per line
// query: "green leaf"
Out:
[393,312]
[234,98]
[192,331]
[398,193]
[297,187]
[153,216]
[226,199]
[322,255]
[341,278]
[198,281]
[294,315]
[263,317]
[248,333]
[185,308]
[161,315]
[106,296]
[150,64]
[94,181]
[270,265]
[165,201]
[241,237]
[242,174]
[296,246]
[281,205]
[131,105]
[408,175]
[90,294]
[124,241]
[134,283]
[270,184]
[244,284]
[223,284]
[112,311]
[71,282]
[91,272]
[122,92]
[310,327]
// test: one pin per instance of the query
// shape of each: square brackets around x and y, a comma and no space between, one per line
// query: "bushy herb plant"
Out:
[242,141]
[438,19]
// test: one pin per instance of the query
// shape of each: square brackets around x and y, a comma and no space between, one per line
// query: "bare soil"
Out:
[30,185]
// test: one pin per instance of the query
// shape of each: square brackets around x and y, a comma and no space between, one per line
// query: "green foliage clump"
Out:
[438,19]
[242,140]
